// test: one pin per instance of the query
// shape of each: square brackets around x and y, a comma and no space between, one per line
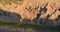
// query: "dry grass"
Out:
[9,1]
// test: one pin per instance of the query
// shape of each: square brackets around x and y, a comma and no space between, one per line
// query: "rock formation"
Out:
[35,9]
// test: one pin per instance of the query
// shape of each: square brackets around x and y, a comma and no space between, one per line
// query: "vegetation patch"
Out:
[9,1]
[19,25]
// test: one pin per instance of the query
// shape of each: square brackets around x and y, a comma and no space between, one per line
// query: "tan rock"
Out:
[31,14]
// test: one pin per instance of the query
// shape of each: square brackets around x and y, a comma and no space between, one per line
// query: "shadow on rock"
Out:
[9,16]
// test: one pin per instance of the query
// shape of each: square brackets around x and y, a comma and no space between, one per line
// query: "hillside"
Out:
[40,10]
[29,15]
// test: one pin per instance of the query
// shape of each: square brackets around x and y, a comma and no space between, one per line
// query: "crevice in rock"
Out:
[59,16]
[59,9]
[42,10]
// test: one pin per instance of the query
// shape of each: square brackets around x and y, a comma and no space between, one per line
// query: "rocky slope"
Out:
[44,11]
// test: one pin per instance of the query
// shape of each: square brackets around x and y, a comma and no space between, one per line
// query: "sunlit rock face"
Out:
[41,11]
